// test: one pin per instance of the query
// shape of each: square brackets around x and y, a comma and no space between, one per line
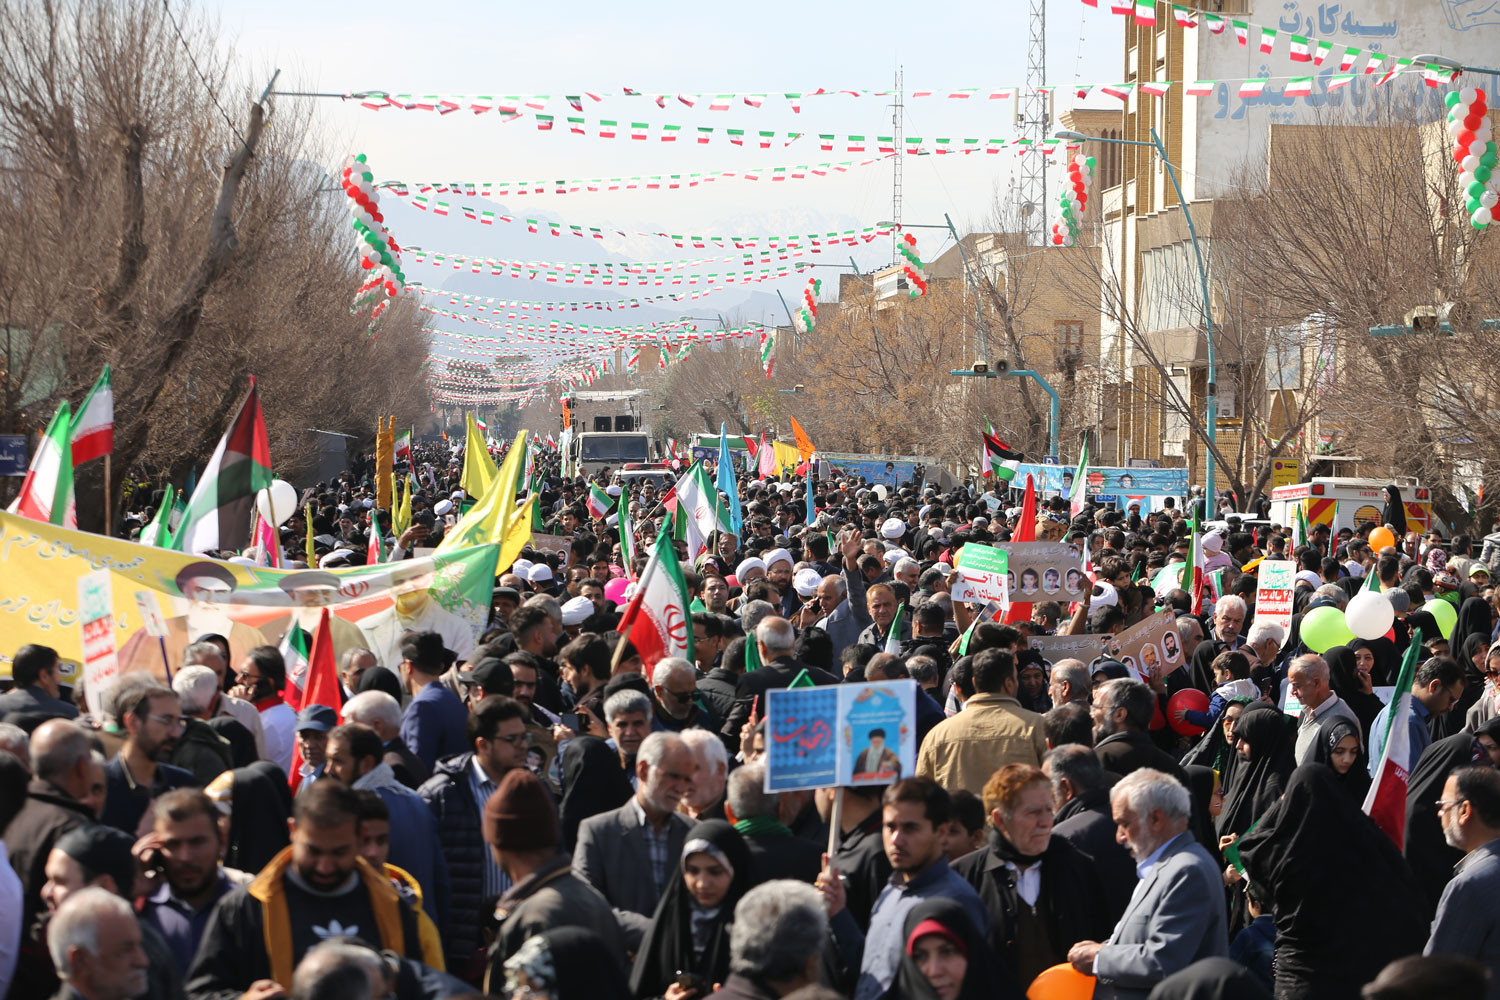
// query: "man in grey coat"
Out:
[1176,915]
[630,854]
[520,825]
[842,599]
[1468,916]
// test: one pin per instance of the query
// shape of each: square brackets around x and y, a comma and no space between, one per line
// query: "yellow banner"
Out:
[248,605]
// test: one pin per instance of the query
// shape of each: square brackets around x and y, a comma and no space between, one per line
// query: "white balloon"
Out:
[1456,126]
[1483,134]
[1369,615]
[1469,163]
[277,503]
[1468,95]
[1484,216]
[1489,199]
[1465,179]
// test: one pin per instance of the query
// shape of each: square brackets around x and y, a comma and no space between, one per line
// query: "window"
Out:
[1069,337]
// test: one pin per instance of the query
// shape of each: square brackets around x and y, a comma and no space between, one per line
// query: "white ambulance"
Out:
[1348,503]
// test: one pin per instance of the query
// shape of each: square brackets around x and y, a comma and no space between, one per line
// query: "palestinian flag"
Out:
[893,637]
[218,515]
[93,432]
[47,491]
[656,621]
[995,456]
[599,502]
[1386,801]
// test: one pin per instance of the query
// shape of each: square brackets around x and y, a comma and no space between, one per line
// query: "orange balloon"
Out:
[1061,982]
[1381,537]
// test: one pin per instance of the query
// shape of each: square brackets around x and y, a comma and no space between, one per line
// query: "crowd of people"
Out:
[530,810]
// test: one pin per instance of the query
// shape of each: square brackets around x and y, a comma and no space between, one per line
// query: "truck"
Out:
[1348,503]
[594,451]
[607,430]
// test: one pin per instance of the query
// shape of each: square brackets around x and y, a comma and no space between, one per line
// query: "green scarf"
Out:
[767,826]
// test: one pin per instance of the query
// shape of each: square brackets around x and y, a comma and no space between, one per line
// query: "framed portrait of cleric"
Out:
[877,732]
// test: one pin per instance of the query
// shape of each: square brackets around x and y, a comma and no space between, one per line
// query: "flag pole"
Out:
[109,524]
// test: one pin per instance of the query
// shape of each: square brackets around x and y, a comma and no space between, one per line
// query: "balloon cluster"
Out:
[378,252]
[916,274]
[807,316]
[1071,204]
[1474,149]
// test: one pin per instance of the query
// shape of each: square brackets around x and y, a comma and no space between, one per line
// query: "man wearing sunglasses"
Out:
[674,687]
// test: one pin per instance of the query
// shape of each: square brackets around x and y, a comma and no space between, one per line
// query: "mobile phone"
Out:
[693,981]
[575,722]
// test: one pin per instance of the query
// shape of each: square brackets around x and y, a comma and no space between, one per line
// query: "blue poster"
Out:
[1107,480]
[877,732]
[890,471]
[800,749]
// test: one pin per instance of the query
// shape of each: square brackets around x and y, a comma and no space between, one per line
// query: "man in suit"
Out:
[842,599]
[775,639]
[382,713]
[36,671]
[1176,915]
[632,853]
[1122,713]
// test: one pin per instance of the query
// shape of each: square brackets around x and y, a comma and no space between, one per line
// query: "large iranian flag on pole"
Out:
[656,621]
[1193,584]
[1080,482]
[698,506]
[1386,801]
[47,491]
[93,432]
[598,502]
[218,515]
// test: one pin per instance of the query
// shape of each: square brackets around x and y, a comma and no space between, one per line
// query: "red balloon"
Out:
[1466,137]
[1472,121]
[1186,700]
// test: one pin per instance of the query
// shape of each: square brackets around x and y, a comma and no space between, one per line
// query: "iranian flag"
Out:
[218,515]
[47,491]
[1214,23]
[698,507]
[1201,88]
[893,637]
[1386,801]
[1194,583]
[1252,88]
[403,446]
[599,502]
[1267,40]
[159,532]
[1300,86]
[1301,50]
[93,432]
[1120,90]
[995,456]
[296,651]
[1145,11]
[374,552]
[627,541]
[1241,32]
[1183,16]
[1080,482]
[656,621]
[1323,49]
[1348,59]
[1156,88]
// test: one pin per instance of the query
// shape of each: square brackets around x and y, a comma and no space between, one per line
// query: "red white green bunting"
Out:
[916,274]
[378,252]
[1474,151]
[806,317]
[1073,203]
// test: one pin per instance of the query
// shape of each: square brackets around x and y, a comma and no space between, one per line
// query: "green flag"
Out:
[159,531]
[893,638]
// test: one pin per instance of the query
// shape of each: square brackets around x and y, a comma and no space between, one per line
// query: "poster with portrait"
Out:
[561,545]
[1088,648]
[849,734]
[1045,571]
[1150,645]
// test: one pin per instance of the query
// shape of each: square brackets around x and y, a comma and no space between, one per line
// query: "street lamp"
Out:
[1451,64]
[1212,391]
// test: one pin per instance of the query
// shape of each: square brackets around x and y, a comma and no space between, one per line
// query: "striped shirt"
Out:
[658,842]
[495,880]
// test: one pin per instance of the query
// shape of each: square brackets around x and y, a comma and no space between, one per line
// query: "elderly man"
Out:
[226,706]
[37,675]
[1122,713]
[775,640]
[776,942]
[1229,621]
[1069,681]
[1468,915]
[1176,916]
[705,800]
[382,713]
[1264,640]
[1309,684]
[352,666]
[842,598]
[1190,632]
[631,854]
[880,602]
[674,686]
[96,945]
[774,851]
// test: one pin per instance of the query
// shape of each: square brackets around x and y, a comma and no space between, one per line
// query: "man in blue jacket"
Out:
[433,726]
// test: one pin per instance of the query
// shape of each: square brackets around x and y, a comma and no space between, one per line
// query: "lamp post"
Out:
[1212,391]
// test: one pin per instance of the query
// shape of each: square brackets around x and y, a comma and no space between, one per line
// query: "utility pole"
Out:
[898,116]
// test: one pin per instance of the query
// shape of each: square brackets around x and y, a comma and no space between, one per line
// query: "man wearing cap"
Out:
[576,611]
[151,715]
[100,856]
[520,827]
[414,610]
[314,723]
[356,758]
[779,571]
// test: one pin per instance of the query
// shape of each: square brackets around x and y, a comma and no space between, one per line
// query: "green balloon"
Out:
[1444,611]
[1476,188]
[1450,98]
[1481,173]
[372,239]
[1488,159]
[1324,628]
[1090,161]
[1471,205]
[360,158]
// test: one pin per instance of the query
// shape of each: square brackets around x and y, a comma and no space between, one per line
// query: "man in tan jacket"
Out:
[993,730]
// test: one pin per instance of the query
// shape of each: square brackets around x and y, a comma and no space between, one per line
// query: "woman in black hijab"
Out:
[1263,743]
[593,783]
[1394,515]
[1385,660]
[1341,746]
[1207,798]
[1345,900]
[381,679]
[260,803]
[1348,684]
[689,933]
[941,948]
[1426,849]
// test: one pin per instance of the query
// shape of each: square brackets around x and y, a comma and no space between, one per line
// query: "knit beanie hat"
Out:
[519,816]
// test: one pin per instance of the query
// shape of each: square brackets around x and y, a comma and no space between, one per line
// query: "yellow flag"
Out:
[517,536]
[401,518]
[487,519]
[479,469]
[312,552]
